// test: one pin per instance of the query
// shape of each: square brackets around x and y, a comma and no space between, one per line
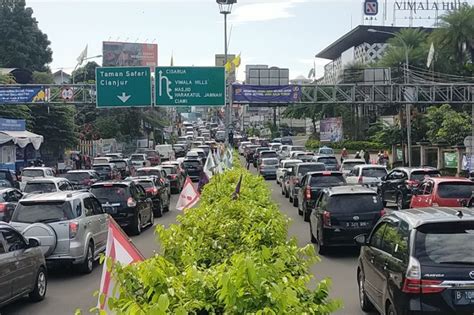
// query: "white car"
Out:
[30,173]
[283,167]
[348,164]
[101,160]
[47,185]
[275,146]
[369,175]
[139,160]
[165,151]
[242,146]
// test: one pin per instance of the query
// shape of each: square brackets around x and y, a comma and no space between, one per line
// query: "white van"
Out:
[165,151]
[101,160]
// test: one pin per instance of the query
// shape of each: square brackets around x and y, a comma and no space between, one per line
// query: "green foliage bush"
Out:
[225,257]
[313,144]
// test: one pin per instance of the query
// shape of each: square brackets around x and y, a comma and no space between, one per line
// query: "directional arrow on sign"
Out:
[124,97]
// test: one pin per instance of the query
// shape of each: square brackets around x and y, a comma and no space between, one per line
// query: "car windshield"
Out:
[45,212]
[420,175]
[347,166]
[445,243]
[270,162]
[100,161]
[455,190]
[111,193]
[326,151]
[328,160]
[146,184]
[39,187]
[137,157]
[169,170]
[355,203]
[191,164]
[98,168]
[321,180]
[120,164]
[149,173]
[33,173]
[303,169]
[76,177]
[269,155]
[374,172]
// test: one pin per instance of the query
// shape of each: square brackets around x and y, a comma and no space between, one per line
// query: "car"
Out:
[107,171]
[71,226]
[267,154]
[301,170]
[220,136]
[152,171]
[325,150]
[124,166]
[9,198]
[418,261]
[286,149]
[179,150]
[311,185]
[8,178]
[47,185]
[366,174]
[82,179]
[157,190]
[268,167]
[304,156]
[196,144]
[274,146]
[442,192]
[293,154]
[23,267]
[398,184]
[342,213]
[175,177]
[153,156]
[200,153]
[276,140]
[330,162]
[286,141]
[206,148]
[179,164]
[250,151]
[256,155]
[101,160]
[193,167]
[30,173]
[114,156]
[139,160]
[348,164]
[242,146]
[283,168]
[127,203]
[165,151]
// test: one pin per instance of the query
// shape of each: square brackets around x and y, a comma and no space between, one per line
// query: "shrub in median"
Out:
[225,257]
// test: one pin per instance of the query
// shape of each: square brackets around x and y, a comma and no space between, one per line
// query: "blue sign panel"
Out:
[21,95]
[12,124]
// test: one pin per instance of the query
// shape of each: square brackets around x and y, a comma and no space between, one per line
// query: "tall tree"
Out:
[85,74]
[22,44]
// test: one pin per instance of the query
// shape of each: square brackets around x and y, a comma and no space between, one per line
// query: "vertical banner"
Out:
[330,129]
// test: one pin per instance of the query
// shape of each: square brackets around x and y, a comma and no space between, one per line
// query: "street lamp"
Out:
[225,8]
[406,81]
[77,65]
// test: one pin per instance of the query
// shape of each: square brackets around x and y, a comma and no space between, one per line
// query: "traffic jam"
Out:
[414,226]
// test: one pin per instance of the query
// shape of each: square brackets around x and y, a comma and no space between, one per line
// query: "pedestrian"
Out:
[344,154]
[248,159]
[203,180]
[367,157]
[380,158]
[386,158]
[357,155]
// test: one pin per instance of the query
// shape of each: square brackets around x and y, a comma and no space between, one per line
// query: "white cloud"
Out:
[264,11]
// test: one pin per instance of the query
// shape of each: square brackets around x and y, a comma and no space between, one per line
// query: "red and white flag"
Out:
[189,196]
[119,249]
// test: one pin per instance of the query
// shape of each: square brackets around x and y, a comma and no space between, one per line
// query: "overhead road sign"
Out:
[189,86]
[250,94]
[22,94]
[123,87]
[371,7]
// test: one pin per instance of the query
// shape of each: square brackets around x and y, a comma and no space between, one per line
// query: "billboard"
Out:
[266,94]
[23,94]
[118,54]
[330,129]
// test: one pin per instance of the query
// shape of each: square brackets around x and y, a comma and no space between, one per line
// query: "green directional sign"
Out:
[189,86]
[123,87]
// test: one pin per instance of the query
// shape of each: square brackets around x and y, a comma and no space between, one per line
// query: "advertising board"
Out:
[330,129]
[121,54]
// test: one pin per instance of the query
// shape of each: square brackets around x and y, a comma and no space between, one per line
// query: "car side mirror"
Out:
[361,239]
[33,242]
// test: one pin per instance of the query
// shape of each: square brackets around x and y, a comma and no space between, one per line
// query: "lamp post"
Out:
[406,81]
[225,8]
[77,65]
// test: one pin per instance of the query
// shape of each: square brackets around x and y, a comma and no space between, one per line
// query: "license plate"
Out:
[464,297]
[357,224]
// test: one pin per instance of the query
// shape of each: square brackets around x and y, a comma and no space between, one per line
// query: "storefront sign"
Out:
[12,124]
[428,5]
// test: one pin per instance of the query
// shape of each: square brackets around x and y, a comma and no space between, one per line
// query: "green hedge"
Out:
[348,144]
[225,257]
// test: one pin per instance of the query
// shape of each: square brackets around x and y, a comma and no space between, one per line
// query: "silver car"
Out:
[71,226]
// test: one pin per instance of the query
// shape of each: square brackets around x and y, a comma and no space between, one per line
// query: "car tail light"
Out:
[326,218]
[3,208]
[412,183]
[361,180]
[152,190]
[173,176]
[308,192]
[414,284]
[131,202]
[73,228]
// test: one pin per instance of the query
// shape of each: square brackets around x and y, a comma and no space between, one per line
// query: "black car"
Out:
[82,179]
[398,185]
[124,166]
[286,141]
[330,162]
[126,202]
[179,150]
[419,261]
[193,168]
[106,171]
[296,175]
[9,198]
[158,191]
[310,187]
[175,177]
[342,213]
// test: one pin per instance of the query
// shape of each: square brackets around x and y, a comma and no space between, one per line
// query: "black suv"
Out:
[296,175]
[157,190]
[193,168]
[419,261]
[342,213]
[310,187]
[126,202]
[398,185]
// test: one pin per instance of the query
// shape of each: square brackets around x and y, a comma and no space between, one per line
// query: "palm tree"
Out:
[456,33]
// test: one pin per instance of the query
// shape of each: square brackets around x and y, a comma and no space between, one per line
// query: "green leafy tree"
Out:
[85,74]
[43,77]
[444,124]
[22,44]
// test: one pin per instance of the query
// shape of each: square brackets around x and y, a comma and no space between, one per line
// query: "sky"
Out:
[282,33]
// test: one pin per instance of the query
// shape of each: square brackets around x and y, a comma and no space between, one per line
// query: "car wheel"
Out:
[313,239]
[152,217]
[306,214]
[322,249]
[300,211]
[39,291]
[159,211]
[295,202]
[391,310]
[88,264]
[290,198]
[364,301]
[399,201]
[167,207]
[282,191]
[287,194]
[137,229]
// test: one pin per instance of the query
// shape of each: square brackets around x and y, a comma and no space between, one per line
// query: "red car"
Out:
[442,192]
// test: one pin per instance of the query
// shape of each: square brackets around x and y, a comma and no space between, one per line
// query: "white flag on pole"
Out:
[82,56]
[119,249]
[430,56]
[209,166]
[189,196]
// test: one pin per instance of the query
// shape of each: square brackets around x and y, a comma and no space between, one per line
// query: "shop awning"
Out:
[21,138]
